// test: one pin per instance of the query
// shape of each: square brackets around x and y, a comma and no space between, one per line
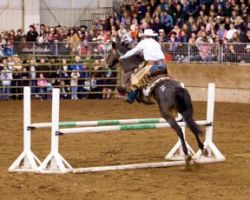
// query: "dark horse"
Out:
[170,96]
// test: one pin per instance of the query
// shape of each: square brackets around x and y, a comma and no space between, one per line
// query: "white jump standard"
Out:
[27,161]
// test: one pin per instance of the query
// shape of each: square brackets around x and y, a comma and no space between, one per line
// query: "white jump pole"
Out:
[27,161]
[100,122]
[54,162]
[208,144]
[141,166]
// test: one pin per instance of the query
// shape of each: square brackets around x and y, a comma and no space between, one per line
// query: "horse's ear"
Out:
[113,45]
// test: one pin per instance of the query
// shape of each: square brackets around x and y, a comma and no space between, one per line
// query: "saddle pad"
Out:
[149,87]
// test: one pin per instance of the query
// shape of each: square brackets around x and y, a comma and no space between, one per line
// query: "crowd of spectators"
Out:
[193,22]
[195,30]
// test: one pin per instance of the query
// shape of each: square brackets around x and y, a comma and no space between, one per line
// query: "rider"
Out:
[153,57]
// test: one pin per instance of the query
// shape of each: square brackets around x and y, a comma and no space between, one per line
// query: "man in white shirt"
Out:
[154,60]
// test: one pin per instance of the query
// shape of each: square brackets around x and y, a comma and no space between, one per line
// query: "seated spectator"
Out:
[231,32]
[231,55]
[173,42]
[222,32]
[245,58]
[204,44]
[167,21]
[135,30]
[162,36]
[194,52]
[122,31]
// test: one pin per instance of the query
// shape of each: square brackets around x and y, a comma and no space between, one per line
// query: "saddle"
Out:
[154,81]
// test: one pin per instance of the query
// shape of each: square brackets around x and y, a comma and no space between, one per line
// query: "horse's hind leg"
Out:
[180,134]
[195,130]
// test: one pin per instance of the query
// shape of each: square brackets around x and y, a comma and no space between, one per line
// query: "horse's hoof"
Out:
[205,152]
[188,159]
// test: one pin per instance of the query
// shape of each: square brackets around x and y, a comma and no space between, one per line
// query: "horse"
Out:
[169,95]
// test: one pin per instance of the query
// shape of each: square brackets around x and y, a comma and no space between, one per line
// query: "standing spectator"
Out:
[42,84]
[64,77]
[31,35]
[17,75]
[74,41]
[74,84]
[6,78]
[32,70]
[78,66]
[109,82]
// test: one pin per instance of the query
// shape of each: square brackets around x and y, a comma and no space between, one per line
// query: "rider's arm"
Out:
[138,48]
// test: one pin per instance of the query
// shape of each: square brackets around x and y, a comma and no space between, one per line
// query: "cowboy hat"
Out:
[149,33]
[248,46]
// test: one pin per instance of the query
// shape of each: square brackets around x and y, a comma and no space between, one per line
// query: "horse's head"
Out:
[120,48]
[113,55]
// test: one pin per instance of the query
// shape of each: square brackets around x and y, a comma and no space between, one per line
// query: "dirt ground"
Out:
[223,181]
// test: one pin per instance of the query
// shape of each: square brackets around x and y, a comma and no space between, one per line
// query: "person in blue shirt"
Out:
[78,66]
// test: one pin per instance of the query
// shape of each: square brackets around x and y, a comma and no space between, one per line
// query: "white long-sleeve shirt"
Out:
[149,47]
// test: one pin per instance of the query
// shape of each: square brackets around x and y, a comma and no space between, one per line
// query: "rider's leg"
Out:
[138,80]
[132,95]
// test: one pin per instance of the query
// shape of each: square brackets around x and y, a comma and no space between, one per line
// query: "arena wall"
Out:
[63,12]
[232,80]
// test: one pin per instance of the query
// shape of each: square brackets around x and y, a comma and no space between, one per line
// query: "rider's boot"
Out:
[132,96]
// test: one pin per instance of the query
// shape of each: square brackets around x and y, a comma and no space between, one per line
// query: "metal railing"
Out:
[174,52]
[94,84]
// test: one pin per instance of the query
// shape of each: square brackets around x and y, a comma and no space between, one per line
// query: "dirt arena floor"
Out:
[223,181]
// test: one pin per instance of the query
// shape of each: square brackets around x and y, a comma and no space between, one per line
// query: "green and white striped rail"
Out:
[124,127]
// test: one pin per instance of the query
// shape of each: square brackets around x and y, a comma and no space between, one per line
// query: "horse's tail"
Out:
[185,108]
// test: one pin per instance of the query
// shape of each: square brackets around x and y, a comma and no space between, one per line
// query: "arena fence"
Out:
[174,52]
[91,83]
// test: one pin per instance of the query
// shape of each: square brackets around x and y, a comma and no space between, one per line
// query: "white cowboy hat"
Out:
[149,33]
[248,46]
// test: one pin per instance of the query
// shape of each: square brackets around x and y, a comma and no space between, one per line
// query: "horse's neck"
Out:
[130,63]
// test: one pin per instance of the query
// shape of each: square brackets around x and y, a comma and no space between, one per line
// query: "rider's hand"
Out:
[121,59]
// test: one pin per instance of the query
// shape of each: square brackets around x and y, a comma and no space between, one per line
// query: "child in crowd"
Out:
[74,84]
